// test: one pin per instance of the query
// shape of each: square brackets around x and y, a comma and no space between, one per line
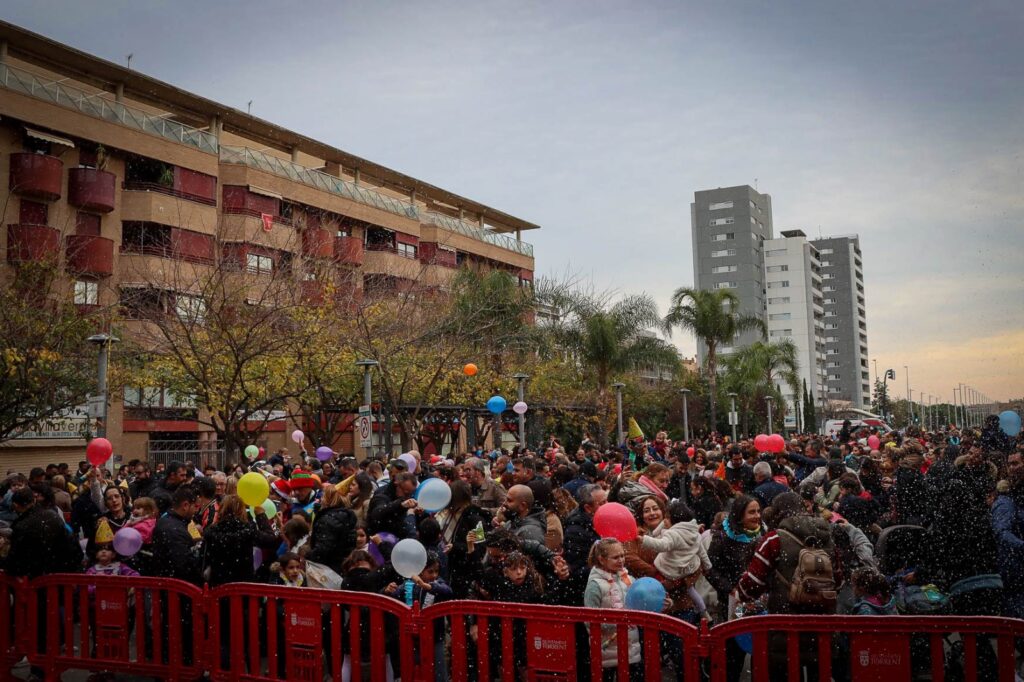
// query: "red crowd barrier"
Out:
[243,631]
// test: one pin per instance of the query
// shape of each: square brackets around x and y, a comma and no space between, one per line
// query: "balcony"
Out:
[38,176]
[91,189]
[313,291]
[26,243]
[317,243]
[91,104]
[89,254]
[348,251]
[478,233]
[388,262]
[432,254]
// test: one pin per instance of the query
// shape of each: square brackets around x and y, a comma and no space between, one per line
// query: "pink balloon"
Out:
[761,442]
[410,462]
[127,541]
[776,443]
[874,442]
[298,437]
[614,520]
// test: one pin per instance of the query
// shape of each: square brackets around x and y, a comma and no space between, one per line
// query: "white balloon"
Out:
[409,558]
[434,495]
[520,407]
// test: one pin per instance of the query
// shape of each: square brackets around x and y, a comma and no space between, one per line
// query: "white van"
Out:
[834,426]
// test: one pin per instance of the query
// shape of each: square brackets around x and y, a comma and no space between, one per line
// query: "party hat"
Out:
[104,536]
[634,430]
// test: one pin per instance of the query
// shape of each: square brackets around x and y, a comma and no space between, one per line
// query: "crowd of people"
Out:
[863,523]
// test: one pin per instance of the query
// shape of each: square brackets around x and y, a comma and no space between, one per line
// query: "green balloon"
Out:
[251,451]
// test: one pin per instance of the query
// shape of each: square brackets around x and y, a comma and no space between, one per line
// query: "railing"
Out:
[388,248]
[133,186]
[165,252]
[253,213]
[478,233]
[95,105]
[252,158]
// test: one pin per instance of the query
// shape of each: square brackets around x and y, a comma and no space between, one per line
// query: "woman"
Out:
[650,512]
[333,536]
[228,544]
[112,501]
[560,505]
[360,490]
[654,479]
[704,500]
[456,521]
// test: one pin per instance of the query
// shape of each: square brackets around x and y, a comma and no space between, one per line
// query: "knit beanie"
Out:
[301,479]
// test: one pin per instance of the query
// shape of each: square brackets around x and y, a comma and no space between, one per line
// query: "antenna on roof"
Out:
[755,184]
[819,231]
[128,58]
[248,109]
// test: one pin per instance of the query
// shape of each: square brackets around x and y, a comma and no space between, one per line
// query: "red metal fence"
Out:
[173,630]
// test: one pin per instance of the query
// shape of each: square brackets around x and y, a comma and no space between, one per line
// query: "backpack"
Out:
[920,600]
[813,583]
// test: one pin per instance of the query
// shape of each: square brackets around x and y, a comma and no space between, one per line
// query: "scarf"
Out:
[614,593]
[744,536]
[648,483]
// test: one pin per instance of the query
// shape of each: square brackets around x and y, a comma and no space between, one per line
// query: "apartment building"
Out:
[729,226]
[128,179]
[848,378]
[794,311]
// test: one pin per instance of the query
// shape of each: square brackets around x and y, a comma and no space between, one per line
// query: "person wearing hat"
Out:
[305,491]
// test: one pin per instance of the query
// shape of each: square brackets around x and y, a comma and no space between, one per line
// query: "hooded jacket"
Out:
[608,591]
[533,526]
[680,551]
[333,537]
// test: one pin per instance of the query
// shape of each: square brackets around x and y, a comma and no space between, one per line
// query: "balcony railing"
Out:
[308,176]
[93,104]
[165,251]
[134,186]
[478,233]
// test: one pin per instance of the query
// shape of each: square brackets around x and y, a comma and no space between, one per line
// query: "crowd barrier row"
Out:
[172,630]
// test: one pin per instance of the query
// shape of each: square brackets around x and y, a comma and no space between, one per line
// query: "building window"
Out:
[828,275]
[87,293]
[343,232]
[752,221]
[407,250]
[832,325]
[833,364]
[87,223]
[827,289]
[775,252]
[780,316]
[830,313]
[780,332]
[259,264]
[832,351]
[725,285]
[830,300]
[778,268]
[778,300]
[189,308]
[784,284]
[825,252]
[720,205]
[724,268]
[722,221]
[723,252]
[835,377]
[723,237]
[32,213]
[831,339]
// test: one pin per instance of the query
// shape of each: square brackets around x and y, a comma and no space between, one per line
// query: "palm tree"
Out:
[610,341]
[752,371]
[713,317]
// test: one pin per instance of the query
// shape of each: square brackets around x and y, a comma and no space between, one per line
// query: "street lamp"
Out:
[618,386]
[910,403]
[732,416]
[368,365]
[768,399]
[103,341]
[521,378]
[686,414]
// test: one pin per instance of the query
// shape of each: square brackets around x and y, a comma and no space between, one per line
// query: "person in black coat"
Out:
[390,506]
[39,539]
[704,501]
[333,536]
[461,517]
[174,554]
[228,544]
[578,538]
[163,492]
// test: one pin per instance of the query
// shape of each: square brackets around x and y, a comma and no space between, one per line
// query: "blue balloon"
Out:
[496,404]
[1009,422]
[646,594]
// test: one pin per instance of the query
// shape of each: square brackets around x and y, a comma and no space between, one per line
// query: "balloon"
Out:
[1009,422]
[409,460]
[776,443]
[127,541]
[874,442]
[98,451]
[324,453]
[374,551]
[614,520]
[298,437]
[496,404]
[690,450]
[409,558]
[470,369]
[388,538]
[252,452]
[433,495]
[257,558]
[253,488]
[263,452]
[268,507]
[761,442]
[520,407]
[646,594]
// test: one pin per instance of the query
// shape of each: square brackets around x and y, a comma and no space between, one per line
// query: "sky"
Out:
[902,122]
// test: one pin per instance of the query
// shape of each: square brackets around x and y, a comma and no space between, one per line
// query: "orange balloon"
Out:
[469,370]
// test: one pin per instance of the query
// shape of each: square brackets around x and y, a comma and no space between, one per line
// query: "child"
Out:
[522,583]
[606,589]
[680,551]
[428,586]
[873,593]
[144,513]
[107,564]
[287,570]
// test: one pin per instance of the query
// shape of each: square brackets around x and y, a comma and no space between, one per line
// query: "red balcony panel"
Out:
[89,254]
[313,292]
[91,189]
[348,250]
[236,197]
[317,243]
[36,175]
[432,254]
[194,183]
[526,274]
[32,243]
[193,247]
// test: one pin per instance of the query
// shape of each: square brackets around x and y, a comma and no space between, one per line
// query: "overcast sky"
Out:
[902,122]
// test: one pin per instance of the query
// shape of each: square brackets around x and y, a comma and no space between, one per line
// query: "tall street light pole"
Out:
[732,416]
[768,399]
[103,341]
[686,414]
[618,386]
[368,365]
[521,378]
[910,403]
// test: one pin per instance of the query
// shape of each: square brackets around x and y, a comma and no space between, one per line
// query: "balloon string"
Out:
[408,593]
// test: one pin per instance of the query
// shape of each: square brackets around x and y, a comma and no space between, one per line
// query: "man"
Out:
[206,502]
[347,468]
[143,484]
[767,488]
[524,472]
[39,539]
[488,494]
[162,494]
[585,475]
[305,492]
[1008,524]
[174,554]
[809,461]
[37,475]
[520,516]
[390,505]
[579,534]
[738,473]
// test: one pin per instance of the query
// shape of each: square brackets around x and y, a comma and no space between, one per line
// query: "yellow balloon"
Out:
[253,488]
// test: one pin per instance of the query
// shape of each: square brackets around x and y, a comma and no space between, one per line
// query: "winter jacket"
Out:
[705,508]
[163,495]
[578,538]
[387,515]
[490,496]
[608,591]
[228,548]
[872,607]
[741,478]
[730,554]
[768,491]
[141,488]
[807,465]
[40,545]
[533,526]
[1008,524]
[145,528]
[115,568]
[333,537]
[460,561]
[173,550]
[680,551]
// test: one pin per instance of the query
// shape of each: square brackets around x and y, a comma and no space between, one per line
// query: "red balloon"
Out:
[761,443]
[98,451]
[614,520]
[690,451]
[776,443]
[874,442]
